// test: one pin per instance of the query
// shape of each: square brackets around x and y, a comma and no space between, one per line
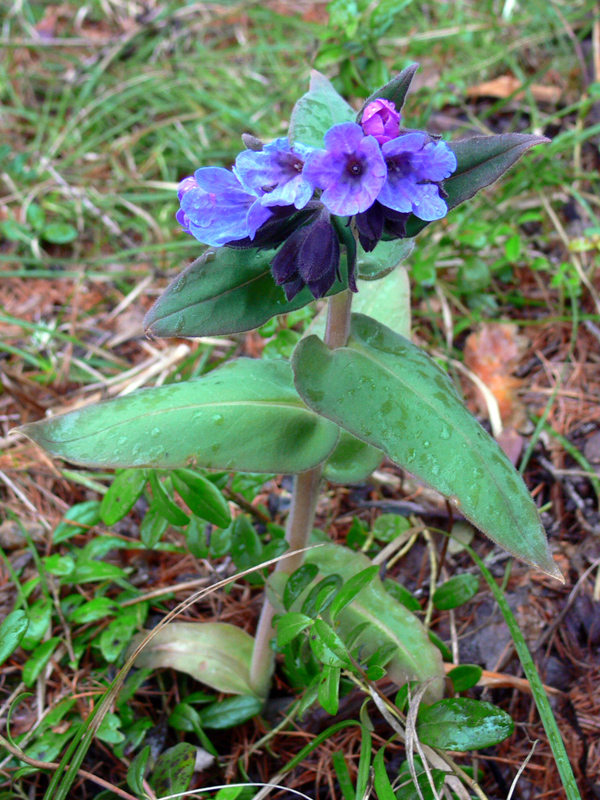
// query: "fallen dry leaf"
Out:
[506,85]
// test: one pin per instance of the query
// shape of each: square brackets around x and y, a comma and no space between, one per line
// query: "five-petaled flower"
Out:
[285,194]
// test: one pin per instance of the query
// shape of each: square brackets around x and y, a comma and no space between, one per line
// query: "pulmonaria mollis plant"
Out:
[370,175]
[296,219]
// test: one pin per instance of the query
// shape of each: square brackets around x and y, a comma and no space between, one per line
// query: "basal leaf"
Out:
[316,111]
[214,653]
[387,621]
[245,416]
[222,292]
[174,769]
[388,392]
[481,161]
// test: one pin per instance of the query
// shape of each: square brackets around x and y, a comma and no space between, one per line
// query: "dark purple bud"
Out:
[292,288]
[370,226]
[319,256]
[285,264]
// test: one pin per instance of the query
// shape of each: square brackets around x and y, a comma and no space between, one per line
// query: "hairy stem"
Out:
[302,513]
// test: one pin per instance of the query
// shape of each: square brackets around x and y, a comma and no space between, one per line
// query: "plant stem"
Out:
[302,513]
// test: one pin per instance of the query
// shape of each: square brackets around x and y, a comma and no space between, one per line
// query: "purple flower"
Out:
[381,120]
[216,209]
[351,169]
[275,173]
[416,164]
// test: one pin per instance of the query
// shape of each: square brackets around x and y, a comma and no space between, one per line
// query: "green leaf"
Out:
[329,689]
[394,91]
[195,538]
[460,723]
[352,461]
[168,508]
[401,594]
[316,111]
[382,784]
[321,596]
[455,592]
[231,712]
[351,588]
[38,660]
[78,519]
[481,161]
[137,771]
[186,718]
[246,547]
[389,393]
[61,566]
[222,292]
[39,615]
[122,495]
[174,769]
[202,497]
[35,216]
[224,415]
[327,645]
[12,630]
[465,676]
[116,636]
[290,625]
[89,571]
[381,621]
[59,233]
[96,609]
[297,583]
[214,653]
[388,527]
[153,525]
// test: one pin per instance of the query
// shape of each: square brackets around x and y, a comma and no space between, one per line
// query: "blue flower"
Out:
[275,173]
[351,169]
[416,164]
[216,209]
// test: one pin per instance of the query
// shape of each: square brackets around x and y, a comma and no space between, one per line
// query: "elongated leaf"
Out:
[387,621]
[460,723]
[222,292]
[395,90]
[174,769]
[12,630]
[202,497]
[317,110]
[481,161]
[389,393]
[329,689]
[244,416]
[214,653]
[122,495]
[455,592]
[231,712]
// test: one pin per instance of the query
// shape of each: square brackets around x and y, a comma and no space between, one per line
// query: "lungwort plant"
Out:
[330,211]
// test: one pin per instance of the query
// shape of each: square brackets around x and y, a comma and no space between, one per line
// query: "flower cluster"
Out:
[375,172]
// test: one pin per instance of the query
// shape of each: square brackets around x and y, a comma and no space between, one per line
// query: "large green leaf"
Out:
[481,161]
[414,658]
[317,110]
[222,292]
[214,653]
[244,416]
[389,393]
